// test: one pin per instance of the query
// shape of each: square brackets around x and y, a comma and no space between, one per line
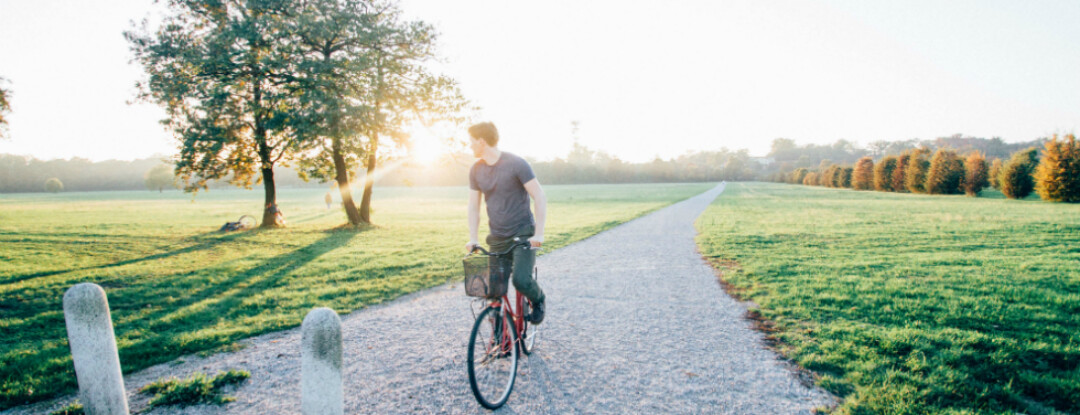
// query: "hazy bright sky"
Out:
[643,78]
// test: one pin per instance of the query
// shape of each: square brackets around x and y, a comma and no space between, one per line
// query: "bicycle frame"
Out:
[517,317]
[513,309]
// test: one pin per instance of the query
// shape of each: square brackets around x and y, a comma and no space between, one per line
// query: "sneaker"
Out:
[537,314]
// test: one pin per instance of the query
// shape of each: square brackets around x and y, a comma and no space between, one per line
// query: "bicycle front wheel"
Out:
[247,222]
[492,358]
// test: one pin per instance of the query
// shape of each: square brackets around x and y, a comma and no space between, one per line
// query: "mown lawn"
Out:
[911,304]
[177,286]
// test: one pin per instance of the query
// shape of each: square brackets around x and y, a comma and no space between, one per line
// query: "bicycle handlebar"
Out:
[507,251]
[478,248]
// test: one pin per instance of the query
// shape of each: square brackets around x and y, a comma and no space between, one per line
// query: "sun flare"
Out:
[428,144]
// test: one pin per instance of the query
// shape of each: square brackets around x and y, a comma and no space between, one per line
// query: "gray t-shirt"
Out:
[503,186]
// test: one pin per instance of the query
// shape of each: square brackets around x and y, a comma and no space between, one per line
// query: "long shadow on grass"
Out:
[221,302]
[184,326]
[312,217]
[206,242]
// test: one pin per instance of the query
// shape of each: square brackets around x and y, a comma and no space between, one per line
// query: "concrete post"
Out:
[93,348]
[321,364]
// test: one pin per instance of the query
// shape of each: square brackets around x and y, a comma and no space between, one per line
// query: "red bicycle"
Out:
[501,329]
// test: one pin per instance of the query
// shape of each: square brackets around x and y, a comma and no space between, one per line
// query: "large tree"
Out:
[331,39]
[225,74]
[399,90]
[364,80]
[5,108]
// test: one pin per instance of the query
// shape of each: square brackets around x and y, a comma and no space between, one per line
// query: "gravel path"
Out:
[636,324]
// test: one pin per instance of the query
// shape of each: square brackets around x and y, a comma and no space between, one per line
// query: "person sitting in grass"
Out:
[507,182]
[279,218]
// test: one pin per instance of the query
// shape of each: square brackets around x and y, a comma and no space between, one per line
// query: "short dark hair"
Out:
[485,131]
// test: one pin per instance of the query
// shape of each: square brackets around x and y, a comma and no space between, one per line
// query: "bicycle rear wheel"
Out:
[492,358]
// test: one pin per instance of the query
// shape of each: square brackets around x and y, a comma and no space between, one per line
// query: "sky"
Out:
[643,79]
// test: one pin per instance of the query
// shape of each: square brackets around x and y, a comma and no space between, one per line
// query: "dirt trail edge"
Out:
[636,323]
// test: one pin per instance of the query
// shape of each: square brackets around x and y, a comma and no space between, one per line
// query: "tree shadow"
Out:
[312,217]
[991,193]
[184,326]
[71,235]
[223,300]
[203,242]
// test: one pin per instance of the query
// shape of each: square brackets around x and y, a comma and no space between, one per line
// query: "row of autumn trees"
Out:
[251,85]
[788,155]
[1054,174]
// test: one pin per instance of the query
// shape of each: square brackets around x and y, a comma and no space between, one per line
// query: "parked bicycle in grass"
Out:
[503,328]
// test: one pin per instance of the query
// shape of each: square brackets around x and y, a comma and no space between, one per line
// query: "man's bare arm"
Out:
[540,214]
[474,220]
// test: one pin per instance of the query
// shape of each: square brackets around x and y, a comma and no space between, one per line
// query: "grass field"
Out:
[177,286]
[910,304]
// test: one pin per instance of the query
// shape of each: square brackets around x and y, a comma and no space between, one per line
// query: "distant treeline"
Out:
[585,166]
[580,166]
[27,174]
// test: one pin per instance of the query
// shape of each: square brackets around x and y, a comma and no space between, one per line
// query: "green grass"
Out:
[197,389]
[75,408]
[910,304]
[176,286]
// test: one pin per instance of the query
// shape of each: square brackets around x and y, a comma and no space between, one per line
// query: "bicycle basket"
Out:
[486,276]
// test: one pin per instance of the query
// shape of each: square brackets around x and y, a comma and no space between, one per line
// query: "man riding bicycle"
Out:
[507,182]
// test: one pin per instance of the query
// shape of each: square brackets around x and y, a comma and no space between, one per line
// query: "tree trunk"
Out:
[343,184]
[369,181]
[269,219]
[266,160]
[270,202]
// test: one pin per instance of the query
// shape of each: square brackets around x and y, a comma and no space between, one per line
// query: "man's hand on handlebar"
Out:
[531,243]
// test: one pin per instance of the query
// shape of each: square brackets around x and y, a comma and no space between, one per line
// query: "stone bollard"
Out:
[321,364]
[93,348]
